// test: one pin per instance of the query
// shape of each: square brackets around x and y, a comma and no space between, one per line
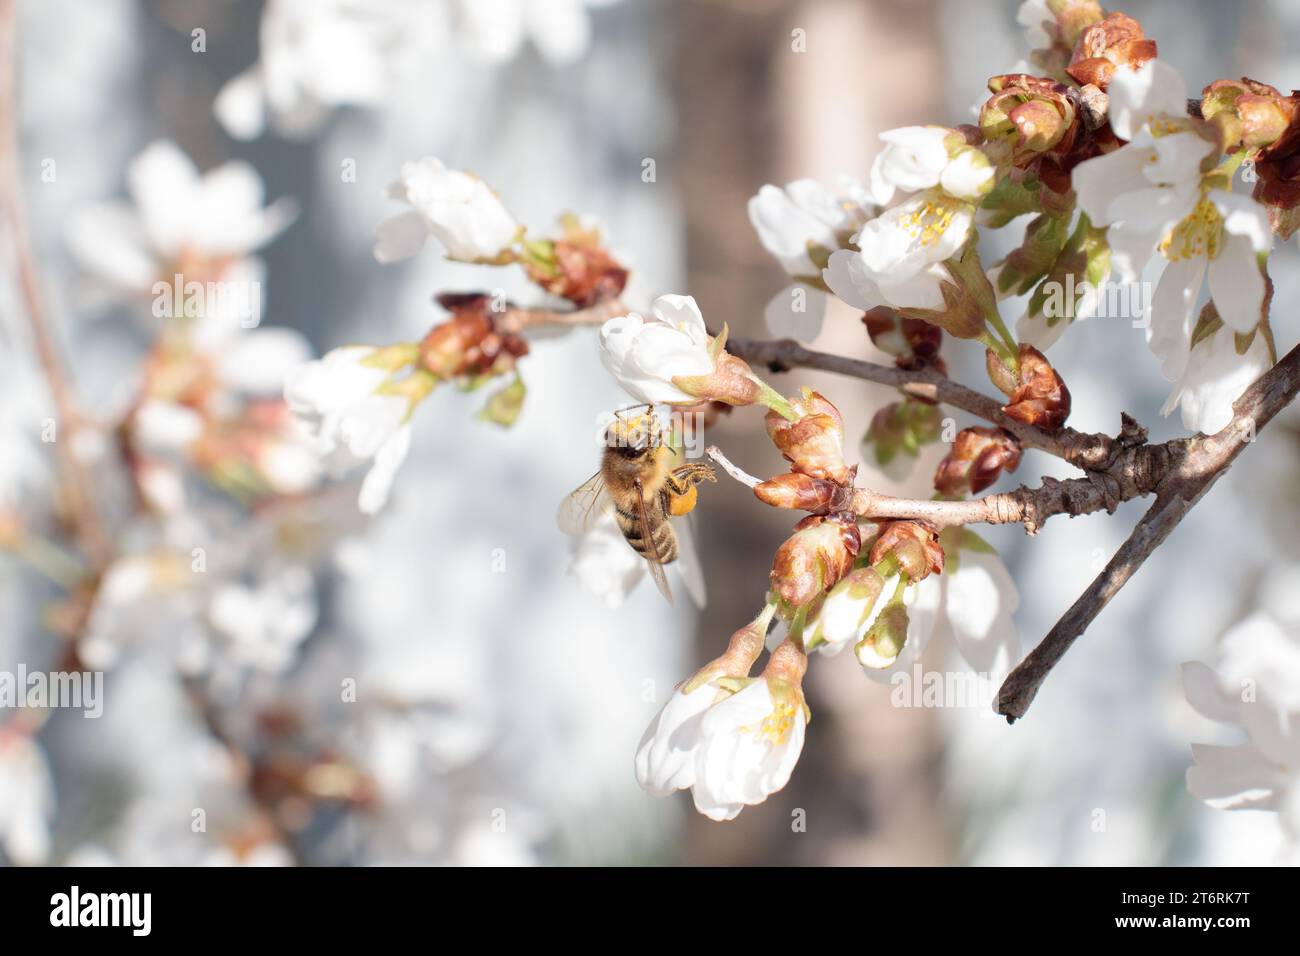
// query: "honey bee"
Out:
[642,485]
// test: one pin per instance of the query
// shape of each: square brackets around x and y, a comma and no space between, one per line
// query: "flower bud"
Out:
[1034,114]
[978,456]
[805,493]
[843,615]
[576,267]
[811,561]
[1040,397]
[1024,266]
[913,343]
[914,544]
[731,382]
[884,640]
[1277,167]
[814,443]
[1103,47]
[467,344]
[1246,112]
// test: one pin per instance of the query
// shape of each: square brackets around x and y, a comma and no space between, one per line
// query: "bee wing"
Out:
[654,562]
[688,561]
[582,508]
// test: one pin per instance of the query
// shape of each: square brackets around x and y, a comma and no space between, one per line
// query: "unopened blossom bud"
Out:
[814,443]
[1103,47]
[1040,397]
[913,343]
[1034,113]
[977,457]
[1277,167]
[576,267]
[751,741]
[913,544]
[468,344]
[819,553]
[804,493]
[1028,263]
[1246,112]
[667,757]
[884,640]
[845,613]
[731,382]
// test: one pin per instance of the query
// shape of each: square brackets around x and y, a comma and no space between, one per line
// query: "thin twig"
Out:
[516,319]
[80,487]
[735,471]
[1087,451]
[1195,465]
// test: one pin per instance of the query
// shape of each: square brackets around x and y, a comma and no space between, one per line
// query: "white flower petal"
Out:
[1137,96]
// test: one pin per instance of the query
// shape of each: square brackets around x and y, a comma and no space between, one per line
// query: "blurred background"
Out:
[497,705]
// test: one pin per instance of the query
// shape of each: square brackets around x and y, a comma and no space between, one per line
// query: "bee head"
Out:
[633,437]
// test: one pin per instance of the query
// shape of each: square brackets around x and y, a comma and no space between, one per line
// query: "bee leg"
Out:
[680,487]
[684,479]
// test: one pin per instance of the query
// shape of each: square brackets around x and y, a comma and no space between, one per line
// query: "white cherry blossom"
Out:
[750,743]
[604,565]
[900,261]
[318,55]
[668,752]
[457,208]
[1142,190]
[1215,375]
[1256,689]
[916,158]
[202,226]
[972,601]
[645,355]
[350,422]
[792,223]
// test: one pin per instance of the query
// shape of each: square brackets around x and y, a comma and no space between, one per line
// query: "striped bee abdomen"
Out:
[660,532]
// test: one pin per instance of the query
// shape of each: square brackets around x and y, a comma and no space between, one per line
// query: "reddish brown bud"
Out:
[810,562]
[914,544]
[978,456]
[1040,397]
[584,274]
[805,493]
[814,444]
[1277,168]
[914,343]
[467,343]
[1103,47]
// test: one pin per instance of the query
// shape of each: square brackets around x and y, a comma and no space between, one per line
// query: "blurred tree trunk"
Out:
[754,110]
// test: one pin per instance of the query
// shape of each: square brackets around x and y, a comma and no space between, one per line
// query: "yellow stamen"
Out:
[1200,234]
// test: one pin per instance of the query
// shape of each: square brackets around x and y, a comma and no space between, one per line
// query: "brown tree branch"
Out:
[80,492]
[1195,465]
[1118,469]
[1089,452]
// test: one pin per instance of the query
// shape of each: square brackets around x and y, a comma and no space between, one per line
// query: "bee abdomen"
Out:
[661,533]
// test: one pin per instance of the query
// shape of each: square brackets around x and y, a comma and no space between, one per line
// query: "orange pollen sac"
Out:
[684,503]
